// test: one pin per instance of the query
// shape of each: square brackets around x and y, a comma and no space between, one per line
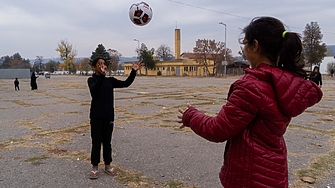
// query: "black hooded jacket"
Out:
[102,93]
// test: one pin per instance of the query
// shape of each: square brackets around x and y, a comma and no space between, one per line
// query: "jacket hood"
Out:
[293,93]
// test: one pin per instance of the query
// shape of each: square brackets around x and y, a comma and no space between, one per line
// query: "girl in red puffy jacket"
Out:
[259,108]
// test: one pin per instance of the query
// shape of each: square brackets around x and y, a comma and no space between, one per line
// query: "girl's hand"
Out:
[102,68]
[137,66]
[180,117]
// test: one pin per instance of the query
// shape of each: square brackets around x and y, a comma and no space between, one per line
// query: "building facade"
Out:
[178,67]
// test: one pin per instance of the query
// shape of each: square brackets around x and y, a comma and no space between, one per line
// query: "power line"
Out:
[209,9]
[220,12]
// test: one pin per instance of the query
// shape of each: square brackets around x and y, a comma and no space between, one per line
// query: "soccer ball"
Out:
[140,13]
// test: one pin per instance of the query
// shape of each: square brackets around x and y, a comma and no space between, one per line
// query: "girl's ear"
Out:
[256,46]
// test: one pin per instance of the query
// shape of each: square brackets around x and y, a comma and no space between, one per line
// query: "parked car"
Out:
[47,75]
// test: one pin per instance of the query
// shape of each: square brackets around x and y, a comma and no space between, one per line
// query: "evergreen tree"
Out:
[314,51]
[146,56]
[100,52]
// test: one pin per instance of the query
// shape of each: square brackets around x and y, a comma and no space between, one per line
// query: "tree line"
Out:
[205,51]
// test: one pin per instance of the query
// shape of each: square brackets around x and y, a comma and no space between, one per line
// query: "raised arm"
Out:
[120,84]
[241,108]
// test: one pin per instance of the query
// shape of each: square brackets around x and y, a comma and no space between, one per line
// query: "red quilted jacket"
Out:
[259,108]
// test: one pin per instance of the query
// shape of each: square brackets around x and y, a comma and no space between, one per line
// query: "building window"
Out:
[168,69]
[185,69]
[172,69]
[195,69]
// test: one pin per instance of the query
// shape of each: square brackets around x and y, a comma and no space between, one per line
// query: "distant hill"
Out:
[46,60]
[127,59]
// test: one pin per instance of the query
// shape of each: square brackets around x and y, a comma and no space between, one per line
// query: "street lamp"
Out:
[225,48]
[138,43]
[138,48]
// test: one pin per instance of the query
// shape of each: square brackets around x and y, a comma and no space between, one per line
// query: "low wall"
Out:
[14,73]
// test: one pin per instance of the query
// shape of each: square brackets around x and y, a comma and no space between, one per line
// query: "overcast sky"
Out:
[35,27]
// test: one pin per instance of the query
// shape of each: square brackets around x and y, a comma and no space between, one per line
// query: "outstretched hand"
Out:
[137,66]
[180,117]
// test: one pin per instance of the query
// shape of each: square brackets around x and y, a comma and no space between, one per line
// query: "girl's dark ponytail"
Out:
[281,47]
[289,58]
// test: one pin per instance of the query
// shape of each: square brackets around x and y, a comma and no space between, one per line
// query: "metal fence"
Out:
[14,73]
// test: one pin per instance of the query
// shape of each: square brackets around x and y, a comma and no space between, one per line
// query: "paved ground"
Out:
[45,136]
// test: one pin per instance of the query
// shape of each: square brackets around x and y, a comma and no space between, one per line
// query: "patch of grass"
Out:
[85,104]
[57,151]
[320,167]
[174,184]
[29,124]
[73,112]
[327,119]
[130,178]
[330,132]
[17,158]
[21,103]
[82,155]
[3,145]
[36,159]
[177,184]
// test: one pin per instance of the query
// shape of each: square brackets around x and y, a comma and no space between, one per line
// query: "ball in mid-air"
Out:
[140,13]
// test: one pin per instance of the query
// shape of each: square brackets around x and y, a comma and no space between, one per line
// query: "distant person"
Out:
[16,84]
[102,112]
[259,108]
[316,76]
[332,72]
[33,83]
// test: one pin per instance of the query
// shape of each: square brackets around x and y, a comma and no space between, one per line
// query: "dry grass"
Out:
[36,159]
[318,169]
[136,179]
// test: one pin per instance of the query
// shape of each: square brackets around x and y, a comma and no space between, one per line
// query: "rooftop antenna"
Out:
[176,25]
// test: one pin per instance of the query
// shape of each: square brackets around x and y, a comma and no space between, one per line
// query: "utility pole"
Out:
[225,49]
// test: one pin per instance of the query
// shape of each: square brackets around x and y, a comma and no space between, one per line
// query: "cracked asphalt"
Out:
[45,135]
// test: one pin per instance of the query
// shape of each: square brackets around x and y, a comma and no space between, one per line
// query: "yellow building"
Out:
[183,65]
[178,67]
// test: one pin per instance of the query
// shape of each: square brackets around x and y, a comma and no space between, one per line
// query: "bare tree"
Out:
[38,64]
[51,66]
[84,65]
[164,52]
[330,68]
[207,51]
[114,59]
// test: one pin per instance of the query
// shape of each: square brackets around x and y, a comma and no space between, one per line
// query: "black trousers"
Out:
[17,87]
[101,133]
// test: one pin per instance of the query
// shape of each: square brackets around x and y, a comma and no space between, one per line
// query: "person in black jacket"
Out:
[102,112]
[16,84]
[316,77]
[33,83]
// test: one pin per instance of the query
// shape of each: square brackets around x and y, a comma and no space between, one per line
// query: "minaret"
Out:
[177,43]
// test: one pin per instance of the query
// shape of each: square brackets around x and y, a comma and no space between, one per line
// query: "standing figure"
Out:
[102,112]
[16,84]
[316,76]
[332,72]
[33,83]
[260,106]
